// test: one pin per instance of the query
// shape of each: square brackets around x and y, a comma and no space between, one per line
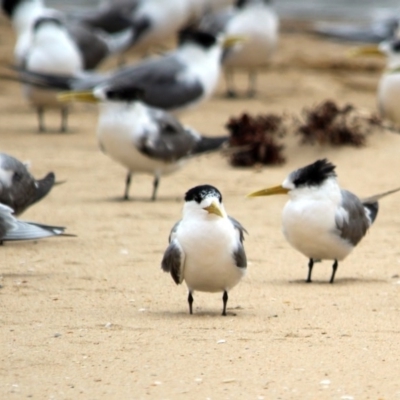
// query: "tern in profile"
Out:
[321,220]
[12,229]
[178,80]
[257,22]
[206,246]
[18,188]
[141,138]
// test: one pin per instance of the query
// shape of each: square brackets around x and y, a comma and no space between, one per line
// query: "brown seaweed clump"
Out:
[255,138]
[327,123]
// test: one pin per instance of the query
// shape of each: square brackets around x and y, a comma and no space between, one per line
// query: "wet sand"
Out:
[94,317]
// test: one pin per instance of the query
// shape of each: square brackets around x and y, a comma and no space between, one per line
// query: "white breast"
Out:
[208,247]
[389,97]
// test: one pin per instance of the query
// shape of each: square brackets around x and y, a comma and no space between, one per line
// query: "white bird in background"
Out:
[206,246]
[94,45]
[12,229]
[51,52]
[144,139]
[18,188]
[257,22]
[321,220]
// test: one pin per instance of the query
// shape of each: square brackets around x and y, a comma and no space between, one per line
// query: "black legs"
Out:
[40,114]
[310,267]
[127,185]
[190,301]
[224,299]
[334,268]
[251,91]
[155,187]
[64,119]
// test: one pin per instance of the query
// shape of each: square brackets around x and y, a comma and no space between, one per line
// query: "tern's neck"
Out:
[195,55]
[26,13]
[393,62]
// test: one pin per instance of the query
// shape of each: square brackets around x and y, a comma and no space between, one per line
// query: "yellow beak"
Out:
[84,96]
[371,50]
[232,40]
[270,191]
[213,208]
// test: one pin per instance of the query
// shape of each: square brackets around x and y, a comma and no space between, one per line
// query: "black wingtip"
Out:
[207,144]
[371,210]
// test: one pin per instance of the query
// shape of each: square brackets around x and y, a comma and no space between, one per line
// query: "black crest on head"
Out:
[313,174]
[243,3]
[9,6]
[199,193]
[395,45]
[124,93]
[202,38]
[44,20]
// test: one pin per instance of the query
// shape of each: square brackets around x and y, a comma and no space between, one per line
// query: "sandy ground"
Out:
[94,317]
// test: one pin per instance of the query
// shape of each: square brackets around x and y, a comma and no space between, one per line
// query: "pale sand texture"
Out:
[94,317]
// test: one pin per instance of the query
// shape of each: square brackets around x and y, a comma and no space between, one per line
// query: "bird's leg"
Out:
[230,89]
[334,268]
[64,119]
[251,91]
[310,267]
[40,114]
[225,300]
[127,185]
[190,301]
[155,187]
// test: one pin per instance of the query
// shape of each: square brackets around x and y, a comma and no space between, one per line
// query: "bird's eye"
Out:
[17,177]
[396,46]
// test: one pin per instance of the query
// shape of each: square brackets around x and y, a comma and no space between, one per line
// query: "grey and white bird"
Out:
[206,246]
[18,188]
[94,45]
[388,91]
[12,229]
[179,80]
[144,139]
[321,220]
[257,22]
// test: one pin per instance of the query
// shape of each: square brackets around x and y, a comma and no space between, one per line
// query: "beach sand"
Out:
[94,317]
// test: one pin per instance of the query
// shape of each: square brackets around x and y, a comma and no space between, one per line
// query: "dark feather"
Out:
[314,174]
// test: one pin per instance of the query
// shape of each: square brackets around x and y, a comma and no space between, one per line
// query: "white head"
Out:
[391,49]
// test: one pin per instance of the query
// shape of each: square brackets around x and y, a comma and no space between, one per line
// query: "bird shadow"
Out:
[196,314]
[337,282]
[120,199]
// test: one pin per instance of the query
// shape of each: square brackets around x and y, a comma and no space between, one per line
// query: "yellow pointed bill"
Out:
[371,50]
[83,96]
[213,208]
[232,40]
[269,192]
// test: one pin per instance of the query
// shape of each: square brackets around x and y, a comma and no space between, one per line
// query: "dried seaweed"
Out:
[327,123]
[255,138]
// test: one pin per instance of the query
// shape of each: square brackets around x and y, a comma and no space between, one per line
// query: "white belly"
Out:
[389,97]
[310,229]
[117,137]
[209,262]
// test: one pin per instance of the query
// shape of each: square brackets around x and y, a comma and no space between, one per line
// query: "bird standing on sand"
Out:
[321,220]
[258,24]
[206,246]
[18,188]
[12,229]
[144,139]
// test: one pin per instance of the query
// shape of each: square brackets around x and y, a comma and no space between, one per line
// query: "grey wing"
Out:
[172,234]
[24,190]
[172,141]
[239,253]
[173,261]
[161,81]
[351,219]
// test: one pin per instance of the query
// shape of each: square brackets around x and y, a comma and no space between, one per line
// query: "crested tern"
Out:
[258,23]
[18,188]
[12,229]
[180,79]
[94,45]
[321,220]
[388,92]
[141,138]
[206,246]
